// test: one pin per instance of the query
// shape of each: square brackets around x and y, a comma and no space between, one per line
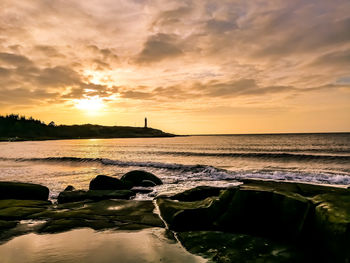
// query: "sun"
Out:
[90,104]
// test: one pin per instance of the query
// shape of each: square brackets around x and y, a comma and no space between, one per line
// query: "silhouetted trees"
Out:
[22,128]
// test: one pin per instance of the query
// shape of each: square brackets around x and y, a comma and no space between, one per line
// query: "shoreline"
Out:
[216,223]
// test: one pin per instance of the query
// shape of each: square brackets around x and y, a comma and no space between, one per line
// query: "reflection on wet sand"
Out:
[86,245]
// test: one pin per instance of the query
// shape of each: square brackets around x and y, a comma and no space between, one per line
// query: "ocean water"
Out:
[181,162]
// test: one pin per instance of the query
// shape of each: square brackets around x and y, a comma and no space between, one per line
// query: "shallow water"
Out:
[86,245]
[181,162]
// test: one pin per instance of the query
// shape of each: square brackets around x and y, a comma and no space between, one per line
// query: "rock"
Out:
[147,183]
[265,213]
[95,195]
[330,226]
[250,211]
[104,182]
[304,189]
[23,191]
[136,177]
[196,215]
[229,247]
[69,188]
[197,193]
[7,224]
[141,190]
[106,214]
[21,209]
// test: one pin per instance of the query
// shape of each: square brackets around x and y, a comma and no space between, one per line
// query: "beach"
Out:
[211,164]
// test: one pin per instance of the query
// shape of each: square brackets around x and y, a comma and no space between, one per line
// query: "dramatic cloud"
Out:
[186,58]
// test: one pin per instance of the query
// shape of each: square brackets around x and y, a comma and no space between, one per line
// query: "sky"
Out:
[189,66]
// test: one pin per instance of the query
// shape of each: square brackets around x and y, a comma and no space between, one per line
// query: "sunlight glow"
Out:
[90,104]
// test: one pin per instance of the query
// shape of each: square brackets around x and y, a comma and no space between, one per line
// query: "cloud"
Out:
[159,47]
[176,55]
[14,59]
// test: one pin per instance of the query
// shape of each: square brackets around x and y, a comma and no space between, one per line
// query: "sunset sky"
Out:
[190,66]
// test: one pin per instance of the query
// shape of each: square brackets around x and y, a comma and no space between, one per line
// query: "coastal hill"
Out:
[15,127]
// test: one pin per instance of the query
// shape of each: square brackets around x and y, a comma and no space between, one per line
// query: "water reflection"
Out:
[86,245]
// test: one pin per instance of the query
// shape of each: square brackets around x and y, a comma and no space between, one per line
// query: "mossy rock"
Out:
[197,193]
[4,224]
[135,178]
[23,191]
[100,215]
[23,203]
[304,189]
[61,225]
[104,182]
[228,247]
[265,213]
[196,215]
[21,209]
[331,225]
[95,195]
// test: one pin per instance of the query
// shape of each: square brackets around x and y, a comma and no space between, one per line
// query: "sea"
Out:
[181,162]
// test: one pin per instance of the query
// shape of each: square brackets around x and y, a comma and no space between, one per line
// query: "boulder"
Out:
[23,191]
[69,188]
[136,177]
[104,182]
[147,183]
[250,211]
[197,193]
[195,215]
[330,226]
[265,213]
[95,195]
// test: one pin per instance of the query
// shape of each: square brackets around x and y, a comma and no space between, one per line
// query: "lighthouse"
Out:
[145,122]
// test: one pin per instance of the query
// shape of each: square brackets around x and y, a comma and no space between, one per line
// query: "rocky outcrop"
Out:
[104,182]
[94,195]
[197,193]
[23,191]
[140,178]
[312,215]
[256,221]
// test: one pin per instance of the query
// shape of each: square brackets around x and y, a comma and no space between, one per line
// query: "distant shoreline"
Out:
[286,133]
[83,138]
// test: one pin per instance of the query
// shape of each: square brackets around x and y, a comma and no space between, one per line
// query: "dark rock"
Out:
[4,224]
[95,195]
[23,191]
[135,178]
[330,226]
[21,209]
[141,190]
[147,183]
[106,214]
[304,189]
[196,215]
[251,211]
[229,247]
[104,182]
[69,188]
[198,193]
[265,213]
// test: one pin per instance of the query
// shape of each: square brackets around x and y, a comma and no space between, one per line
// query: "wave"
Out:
[181,172]
[265,155]
[106,161]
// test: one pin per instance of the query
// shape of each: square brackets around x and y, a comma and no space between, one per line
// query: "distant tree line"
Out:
[16,127]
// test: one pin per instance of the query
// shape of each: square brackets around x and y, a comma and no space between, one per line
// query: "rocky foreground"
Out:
[257,221]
